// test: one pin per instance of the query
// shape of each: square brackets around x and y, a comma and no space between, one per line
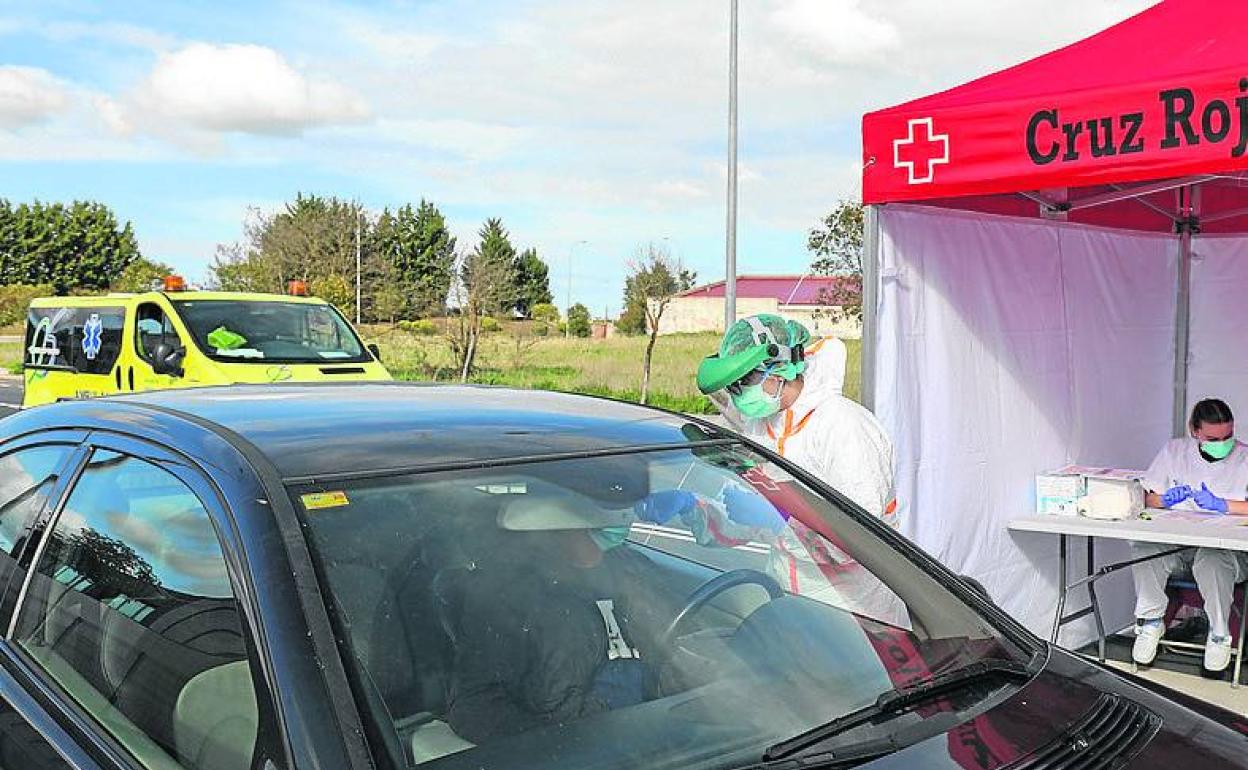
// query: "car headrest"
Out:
[541,512]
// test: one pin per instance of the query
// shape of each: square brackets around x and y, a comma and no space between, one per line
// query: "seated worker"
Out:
[572,637]
[1207,471]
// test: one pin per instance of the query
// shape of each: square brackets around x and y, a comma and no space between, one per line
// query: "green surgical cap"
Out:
[749,344]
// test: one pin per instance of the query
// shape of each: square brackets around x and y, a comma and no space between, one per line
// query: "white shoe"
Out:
[1147,634]
[1218,652]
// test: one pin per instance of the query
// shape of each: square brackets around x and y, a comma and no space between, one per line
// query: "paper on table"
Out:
[1200,517]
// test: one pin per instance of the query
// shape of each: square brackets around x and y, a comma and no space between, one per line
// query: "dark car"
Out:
[358,576]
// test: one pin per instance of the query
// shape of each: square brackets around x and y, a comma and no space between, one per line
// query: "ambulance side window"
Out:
[152,328]
[96,339]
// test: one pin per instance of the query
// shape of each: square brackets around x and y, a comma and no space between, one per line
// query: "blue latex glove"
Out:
[662,507]
[750,509]
[1209,501]
[1175,495]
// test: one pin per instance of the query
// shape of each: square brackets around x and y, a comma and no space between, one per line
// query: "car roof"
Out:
[319,430]
[121,298]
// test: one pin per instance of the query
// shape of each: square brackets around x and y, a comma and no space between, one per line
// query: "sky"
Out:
[590,127]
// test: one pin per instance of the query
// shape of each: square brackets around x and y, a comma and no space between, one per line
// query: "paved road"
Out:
[10,396]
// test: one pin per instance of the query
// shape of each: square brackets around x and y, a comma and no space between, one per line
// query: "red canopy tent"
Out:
[1161,96]
[1126,153]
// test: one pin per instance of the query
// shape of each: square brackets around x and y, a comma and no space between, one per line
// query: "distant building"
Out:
[796,297]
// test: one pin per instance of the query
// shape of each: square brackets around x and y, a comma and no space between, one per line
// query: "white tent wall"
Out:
[1218,348]
[1007,347]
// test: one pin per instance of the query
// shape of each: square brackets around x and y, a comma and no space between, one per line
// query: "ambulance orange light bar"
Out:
[174,283]
[297,288]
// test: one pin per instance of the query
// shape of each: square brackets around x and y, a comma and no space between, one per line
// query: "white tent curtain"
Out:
[1008,347]
[1218,348]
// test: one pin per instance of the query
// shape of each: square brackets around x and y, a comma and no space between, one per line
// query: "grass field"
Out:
[601,367]
[598,367]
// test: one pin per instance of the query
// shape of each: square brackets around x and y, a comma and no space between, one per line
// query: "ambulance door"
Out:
[159,351]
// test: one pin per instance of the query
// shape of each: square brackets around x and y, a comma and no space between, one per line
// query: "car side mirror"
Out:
[374,350]
[166,359]
[977,587]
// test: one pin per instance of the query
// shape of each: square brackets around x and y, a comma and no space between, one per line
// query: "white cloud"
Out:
[839,30]
[107,32]
[29,95]
[243,88]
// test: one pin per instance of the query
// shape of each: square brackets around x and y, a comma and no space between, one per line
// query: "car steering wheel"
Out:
[704,593]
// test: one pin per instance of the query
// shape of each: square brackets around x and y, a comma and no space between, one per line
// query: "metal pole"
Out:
[870,303]
[1183,309]
[358,214]
[730,259]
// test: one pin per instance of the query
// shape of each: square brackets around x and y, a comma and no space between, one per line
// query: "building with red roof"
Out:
[802,298]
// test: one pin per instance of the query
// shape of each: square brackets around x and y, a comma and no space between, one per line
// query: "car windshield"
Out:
[270,331]
[684,607]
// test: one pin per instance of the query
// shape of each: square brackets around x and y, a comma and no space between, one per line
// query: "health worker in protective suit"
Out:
[781,389]
[553,638]
[1206,472]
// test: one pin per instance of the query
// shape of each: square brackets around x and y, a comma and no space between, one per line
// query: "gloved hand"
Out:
[662,507]
[1209,501]
[1175,495]
[750,509]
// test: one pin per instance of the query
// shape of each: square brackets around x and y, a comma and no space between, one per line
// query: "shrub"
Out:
[541,330]
[16,297]
[544,311]
[489,324]
[425,327]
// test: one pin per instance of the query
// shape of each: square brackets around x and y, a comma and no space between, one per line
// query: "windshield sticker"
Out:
[92,333]
[240,353]
[315,501]
[43,349]
[504,489]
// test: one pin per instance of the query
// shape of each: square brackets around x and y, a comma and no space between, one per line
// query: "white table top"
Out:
[1170,527]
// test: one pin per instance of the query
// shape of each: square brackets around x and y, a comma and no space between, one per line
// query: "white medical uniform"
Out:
[1216,571]
[831,437]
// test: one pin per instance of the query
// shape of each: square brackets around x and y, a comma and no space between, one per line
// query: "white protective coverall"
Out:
[831,437]
[841,443]
[1216,570]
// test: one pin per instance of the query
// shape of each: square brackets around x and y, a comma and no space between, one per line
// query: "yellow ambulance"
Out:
[82,347]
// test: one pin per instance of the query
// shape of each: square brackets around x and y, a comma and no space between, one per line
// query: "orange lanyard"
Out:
[790,430]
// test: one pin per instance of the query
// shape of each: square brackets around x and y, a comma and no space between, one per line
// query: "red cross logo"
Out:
[921,151]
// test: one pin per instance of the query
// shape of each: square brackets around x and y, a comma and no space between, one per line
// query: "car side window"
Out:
[130,611]
[153,328]
[26,478]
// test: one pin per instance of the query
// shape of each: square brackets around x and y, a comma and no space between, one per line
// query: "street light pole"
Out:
[730,258]
[358,214]
[567,307]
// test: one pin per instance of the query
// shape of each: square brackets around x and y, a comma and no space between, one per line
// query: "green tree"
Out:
[578,321]
[482,287]
[79,246]
[545,312]
[836,246]
[494,246]
[335,290]
[421,249]
[141,275]
[654,278]
[532,279]
[312,237]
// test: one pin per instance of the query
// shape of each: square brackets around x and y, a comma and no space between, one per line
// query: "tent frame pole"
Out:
[1187,225]
[870,302]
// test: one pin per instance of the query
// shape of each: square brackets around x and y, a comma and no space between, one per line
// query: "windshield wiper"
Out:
[895,701]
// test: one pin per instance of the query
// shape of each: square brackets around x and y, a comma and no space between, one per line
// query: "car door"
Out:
[153,326]
[127,627]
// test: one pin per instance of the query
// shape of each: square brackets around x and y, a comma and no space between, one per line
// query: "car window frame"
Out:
[71,439]
[272,742]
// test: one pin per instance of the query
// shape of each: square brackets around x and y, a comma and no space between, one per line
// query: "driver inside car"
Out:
[561,631]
